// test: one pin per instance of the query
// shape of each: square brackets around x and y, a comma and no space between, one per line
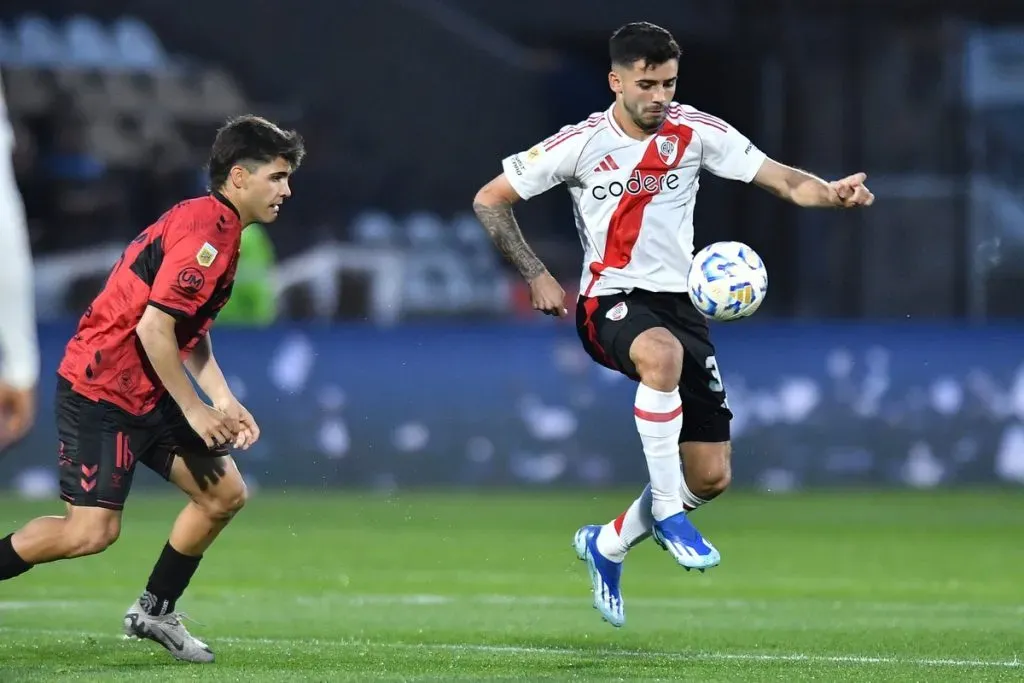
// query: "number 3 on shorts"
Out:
[715,384]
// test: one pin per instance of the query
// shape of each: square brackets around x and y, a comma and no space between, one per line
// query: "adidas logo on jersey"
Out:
[607,164]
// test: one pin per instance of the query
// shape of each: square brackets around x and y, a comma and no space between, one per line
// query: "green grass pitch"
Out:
[309,586]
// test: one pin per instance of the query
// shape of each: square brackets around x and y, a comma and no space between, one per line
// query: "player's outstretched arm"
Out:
[807,190]
[493,207]
[156,333]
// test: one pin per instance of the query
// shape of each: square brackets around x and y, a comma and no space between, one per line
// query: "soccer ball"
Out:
[727,280]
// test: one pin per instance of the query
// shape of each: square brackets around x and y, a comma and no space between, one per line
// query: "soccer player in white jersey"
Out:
[19,350]
[632,172]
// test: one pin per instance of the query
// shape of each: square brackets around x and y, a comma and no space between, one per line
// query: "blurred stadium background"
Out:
[373,312]
[377,335]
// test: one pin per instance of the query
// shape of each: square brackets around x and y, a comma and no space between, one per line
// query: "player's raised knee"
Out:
[91,531]
[658,357]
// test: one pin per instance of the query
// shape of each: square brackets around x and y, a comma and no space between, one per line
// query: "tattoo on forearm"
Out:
[504,231]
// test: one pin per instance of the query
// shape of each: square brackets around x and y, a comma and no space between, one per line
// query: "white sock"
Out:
[628,529]
[659,419]
[634,525]
[690,501]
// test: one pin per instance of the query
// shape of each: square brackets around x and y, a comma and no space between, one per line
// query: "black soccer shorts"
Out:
[607,326]
[100,445]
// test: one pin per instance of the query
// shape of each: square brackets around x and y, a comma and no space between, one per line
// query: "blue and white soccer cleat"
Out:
[680,538]
[604,575]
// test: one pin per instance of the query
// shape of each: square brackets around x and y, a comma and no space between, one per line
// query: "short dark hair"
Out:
[254,140]
[642,40]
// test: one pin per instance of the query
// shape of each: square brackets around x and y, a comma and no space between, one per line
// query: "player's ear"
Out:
[238,175]
[615,82]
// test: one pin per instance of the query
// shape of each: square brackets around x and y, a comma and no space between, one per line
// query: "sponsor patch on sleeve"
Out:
[206,255]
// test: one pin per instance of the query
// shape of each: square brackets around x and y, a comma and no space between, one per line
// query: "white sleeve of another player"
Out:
[728,153]
[544,165]
[19,352]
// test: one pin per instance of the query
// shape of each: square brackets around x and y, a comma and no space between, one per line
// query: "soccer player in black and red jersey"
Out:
[124,397]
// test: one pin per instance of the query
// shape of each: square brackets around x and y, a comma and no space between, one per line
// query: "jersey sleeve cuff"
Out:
[175,313]
[513,166]
[757,159]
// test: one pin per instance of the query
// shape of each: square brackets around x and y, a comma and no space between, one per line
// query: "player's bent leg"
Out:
[217,493]
[658,357]
[82,531]
[658,412]
[95,479]
[707,472]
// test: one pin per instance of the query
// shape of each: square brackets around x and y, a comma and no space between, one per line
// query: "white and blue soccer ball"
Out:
[727,281]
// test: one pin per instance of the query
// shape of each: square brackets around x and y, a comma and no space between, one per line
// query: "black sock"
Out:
[168,581]
[11,564]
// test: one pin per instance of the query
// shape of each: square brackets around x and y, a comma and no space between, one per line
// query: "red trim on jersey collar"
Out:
[226,202]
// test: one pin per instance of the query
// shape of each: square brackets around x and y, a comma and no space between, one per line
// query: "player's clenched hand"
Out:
[17,412]
[547,295]
[215,427]
[851,191]
[248,430]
